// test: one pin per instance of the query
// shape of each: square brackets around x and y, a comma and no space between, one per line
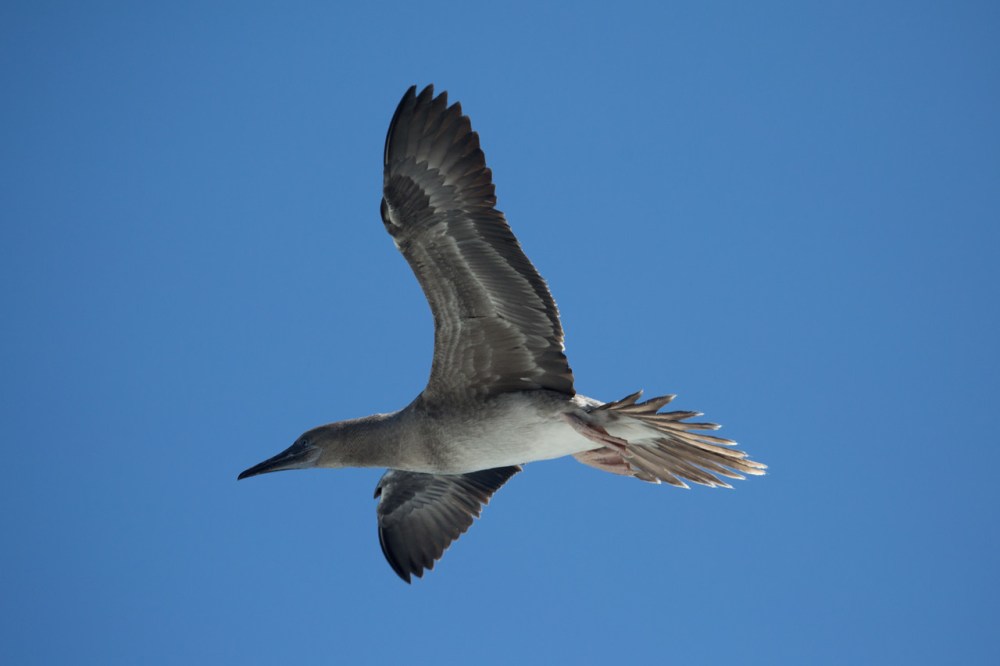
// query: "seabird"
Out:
[500,392]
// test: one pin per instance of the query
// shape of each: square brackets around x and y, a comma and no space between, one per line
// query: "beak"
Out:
[296,456]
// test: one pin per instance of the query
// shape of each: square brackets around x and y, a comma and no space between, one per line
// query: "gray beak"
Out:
[296,456]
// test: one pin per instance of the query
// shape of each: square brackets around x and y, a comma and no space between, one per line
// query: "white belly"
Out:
[513,433]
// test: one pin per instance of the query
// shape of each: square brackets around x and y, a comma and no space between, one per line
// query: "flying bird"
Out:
[500,392]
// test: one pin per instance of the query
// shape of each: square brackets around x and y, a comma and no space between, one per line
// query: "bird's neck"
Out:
[370,441]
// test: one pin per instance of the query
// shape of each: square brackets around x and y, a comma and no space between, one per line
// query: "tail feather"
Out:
[675,449]
[642,459]
[662,467]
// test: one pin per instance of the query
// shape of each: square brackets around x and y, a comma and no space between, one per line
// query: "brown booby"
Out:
[500,392]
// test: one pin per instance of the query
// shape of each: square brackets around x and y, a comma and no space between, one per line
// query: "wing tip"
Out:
[397,566]
[410,101]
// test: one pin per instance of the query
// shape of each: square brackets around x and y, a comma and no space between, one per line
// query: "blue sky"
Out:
[787,213]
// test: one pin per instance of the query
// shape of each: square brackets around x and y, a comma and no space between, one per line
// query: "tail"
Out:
[640,441]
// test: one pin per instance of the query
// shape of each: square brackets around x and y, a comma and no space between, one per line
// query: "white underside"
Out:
[519,443]
[518,432]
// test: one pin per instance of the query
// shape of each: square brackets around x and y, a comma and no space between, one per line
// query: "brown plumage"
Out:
[500,392]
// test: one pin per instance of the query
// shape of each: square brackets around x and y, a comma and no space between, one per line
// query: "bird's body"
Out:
[501,391]
[507,429]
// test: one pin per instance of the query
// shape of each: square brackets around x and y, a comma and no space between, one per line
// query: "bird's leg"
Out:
[613,454]
[596,433]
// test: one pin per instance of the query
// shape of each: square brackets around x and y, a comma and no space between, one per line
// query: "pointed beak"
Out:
[294,457]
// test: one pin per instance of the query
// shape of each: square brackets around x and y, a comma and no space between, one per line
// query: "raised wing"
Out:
[496,327]
[420,515]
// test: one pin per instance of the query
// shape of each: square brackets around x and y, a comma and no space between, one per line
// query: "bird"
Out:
[501,391]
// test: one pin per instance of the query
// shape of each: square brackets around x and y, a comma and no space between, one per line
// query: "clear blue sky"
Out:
[785,212]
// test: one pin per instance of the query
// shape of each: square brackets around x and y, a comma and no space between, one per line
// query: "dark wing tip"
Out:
[409,101]
[393,561]
[412,104]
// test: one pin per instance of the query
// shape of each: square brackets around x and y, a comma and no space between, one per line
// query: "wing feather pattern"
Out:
[496,326]
[420,515]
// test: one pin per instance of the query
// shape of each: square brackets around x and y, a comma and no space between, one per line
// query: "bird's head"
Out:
[303,454]
[342,444]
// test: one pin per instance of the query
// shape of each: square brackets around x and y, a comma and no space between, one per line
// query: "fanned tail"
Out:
[655,446]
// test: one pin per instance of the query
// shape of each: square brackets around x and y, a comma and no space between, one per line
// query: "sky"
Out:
[787,213]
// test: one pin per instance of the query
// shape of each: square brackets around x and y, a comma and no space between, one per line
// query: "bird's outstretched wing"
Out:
[496,327]
[420,515]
